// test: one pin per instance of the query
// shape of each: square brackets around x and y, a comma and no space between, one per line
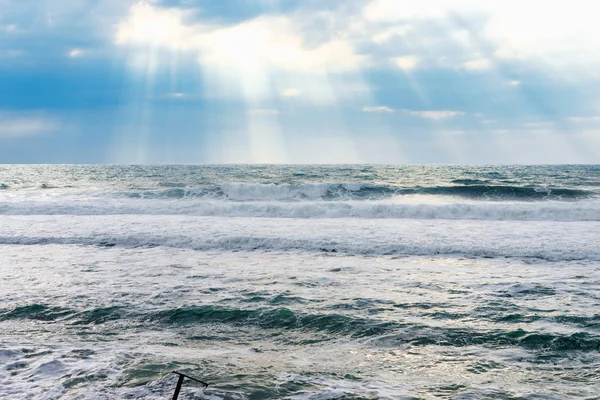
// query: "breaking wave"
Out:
[357,191]
[494,211]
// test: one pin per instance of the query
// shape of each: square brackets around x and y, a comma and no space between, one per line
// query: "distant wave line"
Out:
[258,243]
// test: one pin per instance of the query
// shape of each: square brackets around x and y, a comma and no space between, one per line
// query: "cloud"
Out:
[562,28]
[541,131]
[388,34]
[274,41]
[291,92]
[350,37]
[21,125]
[378,109]
[406,63]
[591,134]
[434,115]
[539,124]
[554,35]
[394,10]
[255,60]
[514,83]
[593,118]
[147,25]
[57,22]
[476,65]
[73,53]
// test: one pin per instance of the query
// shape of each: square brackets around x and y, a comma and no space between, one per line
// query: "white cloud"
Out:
[591,133]
[388,34]
[378,109]
[273,41]
[394,10]
[254,61]
[554,35]
[477,65]
[514,83]
[158,27]
[24,124]
[73,53]
[593,118]
[289,43]
[291,92]
[539,124]
[544,28]
[276,42]
[435,114]
[406,63]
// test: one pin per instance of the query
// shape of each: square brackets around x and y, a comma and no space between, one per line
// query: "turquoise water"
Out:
[302,282]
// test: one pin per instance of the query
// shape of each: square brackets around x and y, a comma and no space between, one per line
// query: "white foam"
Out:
[542,239]
[332,388]
[50,368]
[257,191]
[588,210]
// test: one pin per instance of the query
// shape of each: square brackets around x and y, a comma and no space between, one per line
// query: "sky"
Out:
[299,81]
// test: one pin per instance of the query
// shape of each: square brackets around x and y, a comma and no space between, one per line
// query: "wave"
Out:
[472,189]
[492,211]
[271,192]
[370,247]
[455,337]
[274,318]
[265,318]
[507,192]
[380,333]
[37,312]
[269,317]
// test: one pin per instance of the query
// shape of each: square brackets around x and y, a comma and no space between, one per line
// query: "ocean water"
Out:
[300,282]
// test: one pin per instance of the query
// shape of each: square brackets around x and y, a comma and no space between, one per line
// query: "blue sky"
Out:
[288,81]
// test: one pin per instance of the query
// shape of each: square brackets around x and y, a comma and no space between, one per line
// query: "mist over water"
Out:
[301,282]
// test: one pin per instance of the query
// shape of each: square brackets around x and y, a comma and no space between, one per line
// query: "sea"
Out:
[300,282]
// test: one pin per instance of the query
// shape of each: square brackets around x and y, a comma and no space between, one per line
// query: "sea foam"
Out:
[547,240]
[587,210]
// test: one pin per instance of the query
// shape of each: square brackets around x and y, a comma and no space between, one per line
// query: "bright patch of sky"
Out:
[299,81]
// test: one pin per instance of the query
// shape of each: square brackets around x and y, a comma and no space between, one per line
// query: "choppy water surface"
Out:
[356,282]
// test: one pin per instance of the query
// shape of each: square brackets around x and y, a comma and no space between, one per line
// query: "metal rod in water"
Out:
[180,383]
[178,388]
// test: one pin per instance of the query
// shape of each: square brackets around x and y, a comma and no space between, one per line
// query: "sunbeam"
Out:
[299,199]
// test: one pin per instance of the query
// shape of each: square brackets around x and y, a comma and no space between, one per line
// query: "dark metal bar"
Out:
[178,388]
[180,383]
[192,378]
